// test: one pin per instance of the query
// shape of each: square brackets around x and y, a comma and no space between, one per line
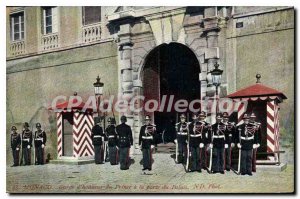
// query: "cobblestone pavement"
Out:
[166,176]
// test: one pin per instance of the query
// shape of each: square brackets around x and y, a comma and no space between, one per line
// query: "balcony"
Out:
[17,48]
[50,41]
[91,33]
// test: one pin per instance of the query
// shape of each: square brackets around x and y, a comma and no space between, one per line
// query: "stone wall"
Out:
[33,82]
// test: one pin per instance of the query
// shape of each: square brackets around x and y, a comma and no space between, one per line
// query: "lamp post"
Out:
[98,89]
[216,80]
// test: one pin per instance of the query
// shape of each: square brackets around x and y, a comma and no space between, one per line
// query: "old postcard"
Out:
[153,99]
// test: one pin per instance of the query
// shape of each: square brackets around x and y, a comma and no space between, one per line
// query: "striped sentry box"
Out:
[82,130]
[272,127]
[59,133]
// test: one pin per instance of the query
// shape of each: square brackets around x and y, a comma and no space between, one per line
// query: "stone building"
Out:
[152,51]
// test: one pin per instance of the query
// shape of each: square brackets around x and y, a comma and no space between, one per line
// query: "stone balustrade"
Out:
[91,33]
[50,41]
[17,48]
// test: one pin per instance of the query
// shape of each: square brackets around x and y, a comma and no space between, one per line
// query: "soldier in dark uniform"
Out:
[15,143]
[40,140]
[146,142]
[181,139]
[247,141]
[26,144]
[98,137]
[112,141]
[195,144]
[205,132]
[217,141]
[258,138]
[124,142]
[229,141]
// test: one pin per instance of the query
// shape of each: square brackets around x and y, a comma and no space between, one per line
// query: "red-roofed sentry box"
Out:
[74,125]
[264,102]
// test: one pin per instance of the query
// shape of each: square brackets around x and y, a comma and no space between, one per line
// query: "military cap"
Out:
[13,128]
[202,114]
[111,120]
[38,125]
[182,116]
[195,115]
[219,116]
[225,114]
[246,116]
[26,124]
[147,117]
[123,118]
[253,115]
[97,120]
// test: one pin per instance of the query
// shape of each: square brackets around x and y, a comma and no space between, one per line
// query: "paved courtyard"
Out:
[166,176]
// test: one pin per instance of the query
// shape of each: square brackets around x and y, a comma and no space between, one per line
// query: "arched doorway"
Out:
[170,69]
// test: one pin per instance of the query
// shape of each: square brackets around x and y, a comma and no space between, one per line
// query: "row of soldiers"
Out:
[118,139]
[200,145]
[23,143]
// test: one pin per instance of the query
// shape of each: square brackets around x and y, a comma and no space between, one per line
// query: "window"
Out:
[50,20]
[91,14]
[17,26]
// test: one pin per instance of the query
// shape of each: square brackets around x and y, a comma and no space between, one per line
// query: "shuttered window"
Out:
[91,14]
[50,20]
[17,26]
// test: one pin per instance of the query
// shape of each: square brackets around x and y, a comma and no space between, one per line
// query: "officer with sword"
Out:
[147,142]
[112,141]
[98,138]
[229,140]
[258,137]
[124,142]
[15,143]
[195,144]
[181,140]
[217,143]
[26,144]
[247,142]
[40,140]
[205,133]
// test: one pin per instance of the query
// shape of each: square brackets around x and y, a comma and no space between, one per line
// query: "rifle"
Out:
[188,152]
[240,151]
[211,151]
[21,162]
[176,152]
[34,155]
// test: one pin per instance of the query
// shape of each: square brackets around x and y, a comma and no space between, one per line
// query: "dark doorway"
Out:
[170,69]
[68,134]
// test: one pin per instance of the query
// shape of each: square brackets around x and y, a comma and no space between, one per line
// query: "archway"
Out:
[170,69]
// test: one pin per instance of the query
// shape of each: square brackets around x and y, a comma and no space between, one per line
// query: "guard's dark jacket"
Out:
[196,133]
[248,136]
[125,135]
[15,140]
[112,135]
[26,138]
[218,135]
[147,136]
[97,135]
[182,132]
[258,131]
[39,138]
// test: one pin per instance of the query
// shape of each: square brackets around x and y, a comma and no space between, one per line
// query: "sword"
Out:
[188,155]
[176,152]
[211,151]
[240,151]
